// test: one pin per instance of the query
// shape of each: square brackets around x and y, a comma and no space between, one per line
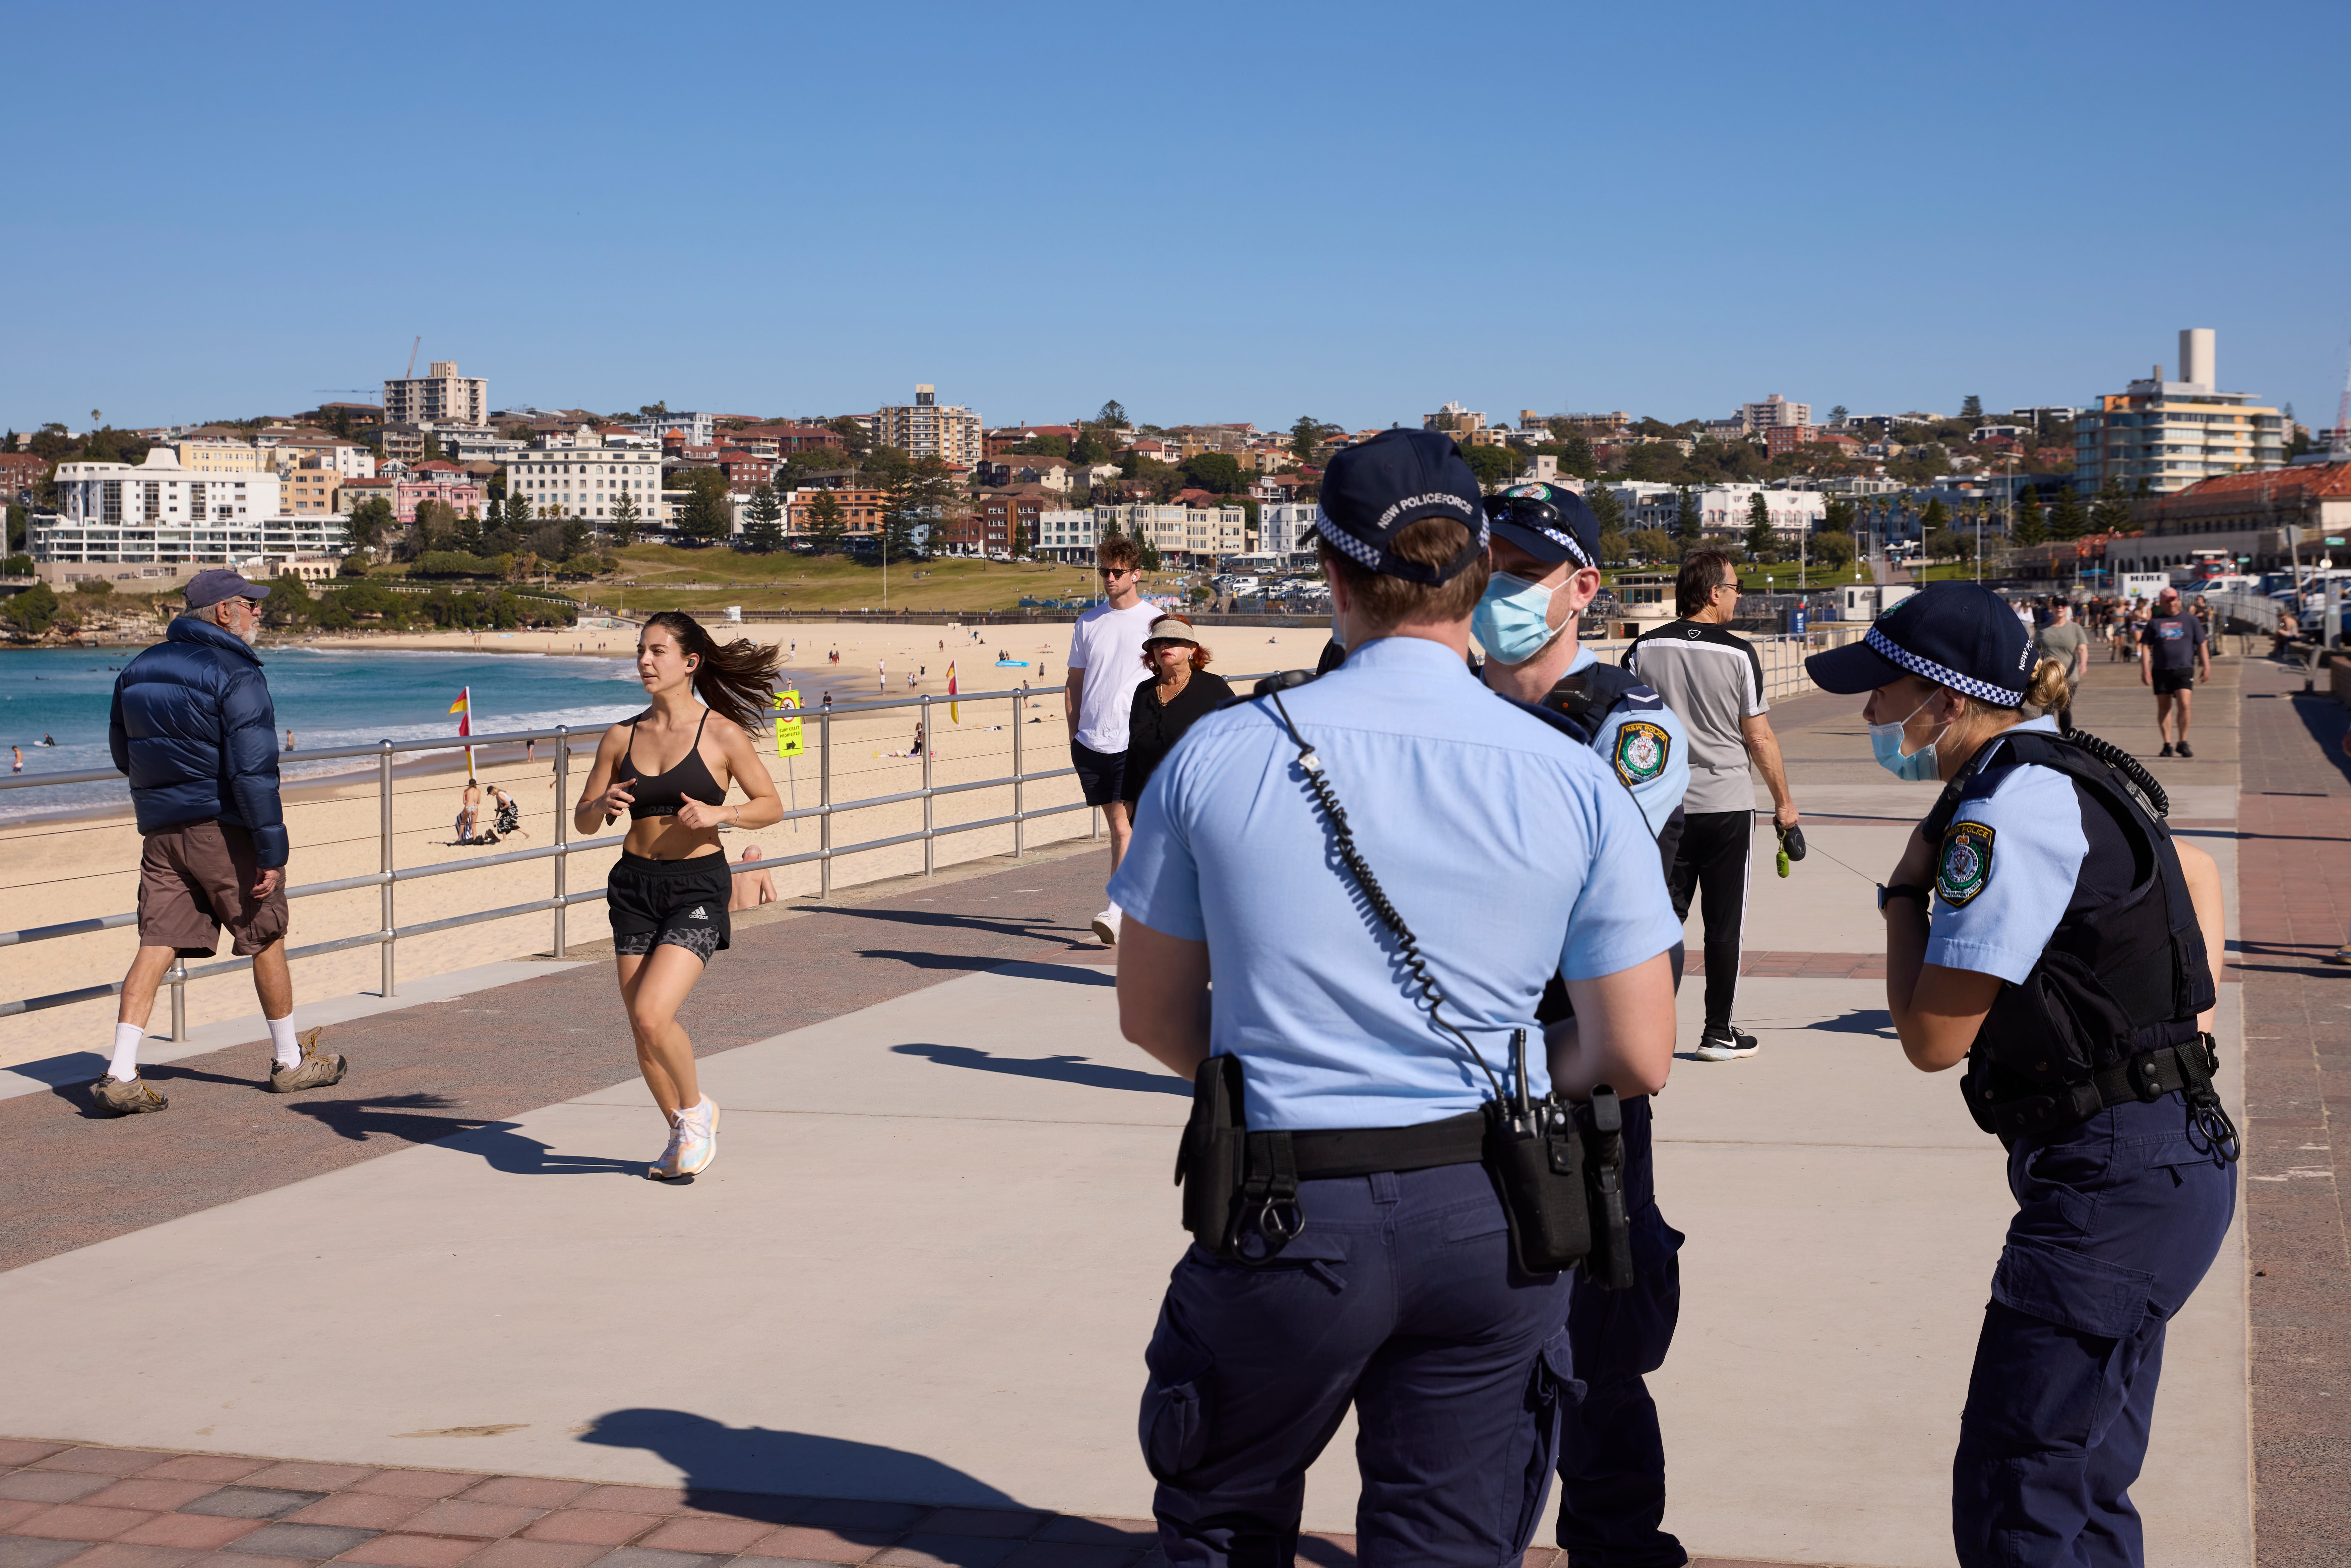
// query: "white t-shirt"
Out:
[1107,644]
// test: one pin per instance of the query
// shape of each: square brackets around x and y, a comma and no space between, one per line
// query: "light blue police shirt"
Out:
[1626,754]
[1510,850]
[2003,884]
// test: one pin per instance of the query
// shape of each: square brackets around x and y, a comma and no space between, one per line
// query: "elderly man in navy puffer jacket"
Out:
[195,729]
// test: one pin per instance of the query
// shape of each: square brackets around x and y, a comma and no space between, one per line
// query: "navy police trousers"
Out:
[2117,1221]
[1612,1458]
[1399,1298]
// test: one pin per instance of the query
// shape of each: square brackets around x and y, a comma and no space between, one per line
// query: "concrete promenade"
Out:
[900,1319]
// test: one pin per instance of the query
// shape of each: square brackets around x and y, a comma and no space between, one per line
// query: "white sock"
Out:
[281,1040]
[125,1065]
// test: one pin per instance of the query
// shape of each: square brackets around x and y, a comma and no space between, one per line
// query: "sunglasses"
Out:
[1534,512]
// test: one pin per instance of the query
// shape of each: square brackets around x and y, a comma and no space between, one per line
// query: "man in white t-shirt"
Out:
[1105,665]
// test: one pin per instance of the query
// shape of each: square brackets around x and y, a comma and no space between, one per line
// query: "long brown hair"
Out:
[736,680]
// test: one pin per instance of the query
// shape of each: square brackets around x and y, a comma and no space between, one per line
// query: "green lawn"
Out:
[666,578]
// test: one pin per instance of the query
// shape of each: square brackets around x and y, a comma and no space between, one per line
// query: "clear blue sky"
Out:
[1210,213]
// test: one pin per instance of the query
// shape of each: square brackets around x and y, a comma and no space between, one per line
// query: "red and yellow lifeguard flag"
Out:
[955,710]
[463,707]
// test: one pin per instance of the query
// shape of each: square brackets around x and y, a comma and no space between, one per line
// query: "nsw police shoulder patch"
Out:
[1964,868]
[1641,752]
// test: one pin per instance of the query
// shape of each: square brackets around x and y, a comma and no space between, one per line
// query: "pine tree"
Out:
[626,521]
[2067,519]
[824,523]
[2110,512]
[2028,530]
[468,535]
[1759,537]
[763,526]
[1693,522]
[1605,506]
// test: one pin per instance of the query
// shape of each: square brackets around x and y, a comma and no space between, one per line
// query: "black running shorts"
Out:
[2169,680]
[1100,773]
[678,903]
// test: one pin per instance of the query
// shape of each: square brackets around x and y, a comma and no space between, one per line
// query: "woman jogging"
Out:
[669,770]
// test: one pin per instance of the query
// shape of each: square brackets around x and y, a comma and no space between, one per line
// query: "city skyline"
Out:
[1669,215]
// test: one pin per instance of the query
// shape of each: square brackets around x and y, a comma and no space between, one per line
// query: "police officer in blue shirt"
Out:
[2066,962]
[1611,1457]
[1506,853]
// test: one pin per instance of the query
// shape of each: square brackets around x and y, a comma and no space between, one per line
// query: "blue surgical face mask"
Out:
[1885,744]
[1512,622]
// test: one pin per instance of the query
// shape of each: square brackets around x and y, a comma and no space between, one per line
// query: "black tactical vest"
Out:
[2114,982]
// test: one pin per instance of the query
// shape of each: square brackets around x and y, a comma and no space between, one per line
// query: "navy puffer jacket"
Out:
[195,729]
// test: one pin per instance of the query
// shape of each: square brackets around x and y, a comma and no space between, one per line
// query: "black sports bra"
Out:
[661,794]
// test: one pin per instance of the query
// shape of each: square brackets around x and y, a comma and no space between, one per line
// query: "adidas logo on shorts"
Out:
[695,914]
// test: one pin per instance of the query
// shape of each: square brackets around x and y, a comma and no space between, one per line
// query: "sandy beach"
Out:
[80,869]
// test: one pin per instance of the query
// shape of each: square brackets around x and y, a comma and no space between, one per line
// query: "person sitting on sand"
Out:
[752,888]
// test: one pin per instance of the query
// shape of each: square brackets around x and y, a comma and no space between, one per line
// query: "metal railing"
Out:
[389,876]
[1782,660]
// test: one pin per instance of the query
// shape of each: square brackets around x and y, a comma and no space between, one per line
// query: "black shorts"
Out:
[678,903]
[1100,773]
[2169,680]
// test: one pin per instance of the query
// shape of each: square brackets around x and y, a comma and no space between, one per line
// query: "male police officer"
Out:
[1611,1457]
[1512,852]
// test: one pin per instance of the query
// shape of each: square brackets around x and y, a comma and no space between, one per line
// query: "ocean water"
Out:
[343,697]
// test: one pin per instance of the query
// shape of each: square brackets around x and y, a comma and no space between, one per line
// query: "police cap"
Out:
[1374,492]
[1957,634]
[1549,522]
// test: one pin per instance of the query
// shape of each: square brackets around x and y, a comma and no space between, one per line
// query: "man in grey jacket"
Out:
[193,727]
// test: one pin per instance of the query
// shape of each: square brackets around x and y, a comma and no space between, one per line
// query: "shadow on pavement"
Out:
[755,1473]
[2323,717]
[1060,1069]
[1874,1021]
[1042,928]
[425,1119]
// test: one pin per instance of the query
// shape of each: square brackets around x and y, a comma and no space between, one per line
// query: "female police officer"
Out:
[2067,962]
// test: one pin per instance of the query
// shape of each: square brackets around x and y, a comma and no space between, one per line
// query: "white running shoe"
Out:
[698,1130]
[1106,926]
[665,1168]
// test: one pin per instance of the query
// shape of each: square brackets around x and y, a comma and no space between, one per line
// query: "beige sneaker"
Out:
[131,1099]
[665,1168]
[697,1137]
[311,1071]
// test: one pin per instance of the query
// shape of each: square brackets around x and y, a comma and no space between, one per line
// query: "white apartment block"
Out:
[1068,536]
[588,482]
[1723,509]
[927,427]
[440,395]
[1191,535]
[1773,412]
[699,429]
[347,460]
[161,512]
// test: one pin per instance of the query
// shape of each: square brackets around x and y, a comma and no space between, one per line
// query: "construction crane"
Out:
[2339,449]
[412,356]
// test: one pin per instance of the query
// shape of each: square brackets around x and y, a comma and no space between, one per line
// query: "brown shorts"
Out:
[198,877]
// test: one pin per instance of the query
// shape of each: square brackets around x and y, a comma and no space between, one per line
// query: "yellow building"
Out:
[310,488]
[2163,436]
[213,452]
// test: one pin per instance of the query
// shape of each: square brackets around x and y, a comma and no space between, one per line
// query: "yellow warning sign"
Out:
[788,730]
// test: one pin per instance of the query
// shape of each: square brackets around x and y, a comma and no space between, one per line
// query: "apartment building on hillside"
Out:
[160,511]
[588,482]
[2167,435]
[928,428]
[441,395]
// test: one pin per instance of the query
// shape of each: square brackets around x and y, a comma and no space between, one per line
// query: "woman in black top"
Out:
[1179,692]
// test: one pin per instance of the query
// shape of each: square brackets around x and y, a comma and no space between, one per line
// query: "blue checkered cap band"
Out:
[1565,541]
[1371,558]
[1941,674]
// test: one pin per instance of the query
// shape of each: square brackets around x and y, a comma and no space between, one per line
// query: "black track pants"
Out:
[1710,864]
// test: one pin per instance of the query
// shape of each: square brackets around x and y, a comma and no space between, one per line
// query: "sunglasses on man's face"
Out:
[1117,571]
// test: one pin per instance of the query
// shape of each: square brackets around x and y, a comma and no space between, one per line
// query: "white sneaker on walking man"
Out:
[1105,665]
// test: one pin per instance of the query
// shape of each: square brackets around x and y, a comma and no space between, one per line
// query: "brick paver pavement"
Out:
[2293,891]
[64,1503]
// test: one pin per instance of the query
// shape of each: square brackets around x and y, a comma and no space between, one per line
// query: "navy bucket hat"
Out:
[1957,634]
